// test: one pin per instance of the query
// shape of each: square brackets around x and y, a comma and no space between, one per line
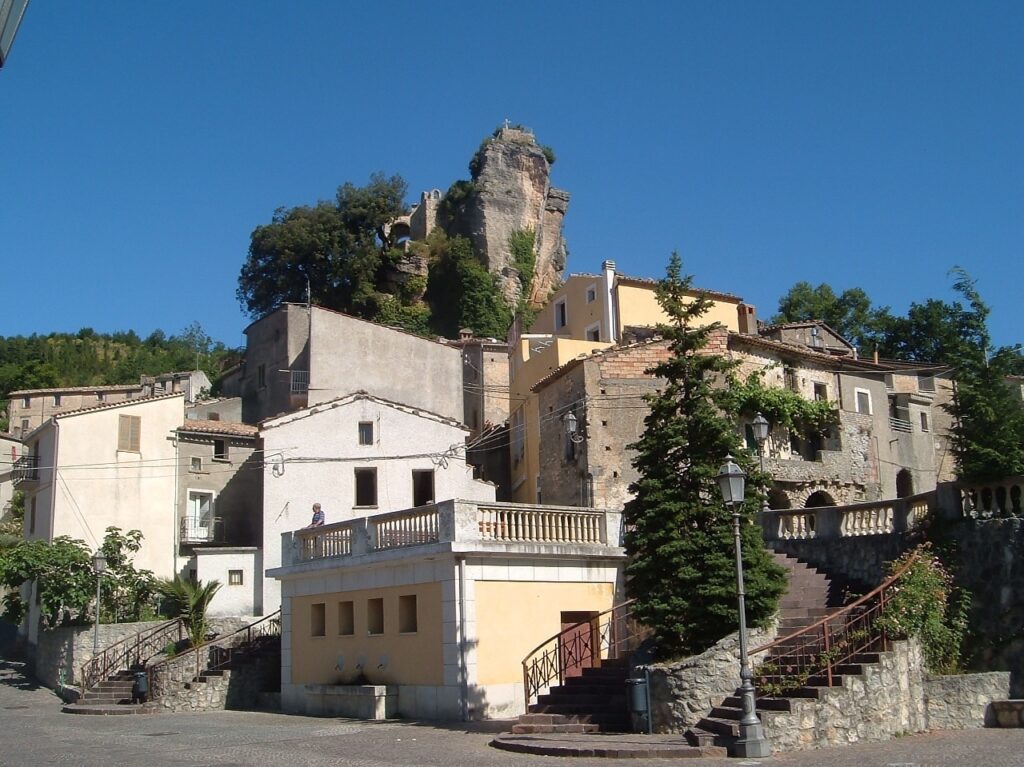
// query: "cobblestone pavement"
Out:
[34,732]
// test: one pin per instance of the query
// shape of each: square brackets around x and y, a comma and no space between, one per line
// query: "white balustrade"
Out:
[876,519]
[408,528]
[796,525]
[993,499]
[327,541]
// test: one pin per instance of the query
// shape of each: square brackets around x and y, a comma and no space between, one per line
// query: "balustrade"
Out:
[861,519]
[1001,498]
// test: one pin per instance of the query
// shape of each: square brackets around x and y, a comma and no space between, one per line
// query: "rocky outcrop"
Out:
[512,192]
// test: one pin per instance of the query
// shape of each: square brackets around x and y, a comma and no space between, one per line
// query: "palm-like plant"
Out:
[189,601]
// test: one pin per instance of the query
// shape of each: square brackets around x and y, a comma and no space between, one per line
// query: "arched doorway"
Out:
[904,484]
[819,498]
[777,499]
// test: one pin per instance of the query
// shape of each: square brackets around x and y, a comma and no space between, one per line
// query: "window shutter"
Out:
[129,433]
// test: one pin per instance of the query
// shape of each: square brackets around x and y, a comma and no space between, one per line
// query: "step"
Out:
[532,729]
[603,680]
[108,710]
[722,727]
[763,704]
[579,698]
[578,709]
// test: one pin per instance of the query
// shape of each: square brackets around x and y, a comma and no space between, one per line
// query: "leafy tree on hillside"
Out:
[463,294]
[679,534]
[337,248]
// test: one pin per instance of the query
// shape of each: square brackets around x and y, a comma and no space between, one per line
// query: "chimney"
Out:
[465,334]
[747,319]
[608,313]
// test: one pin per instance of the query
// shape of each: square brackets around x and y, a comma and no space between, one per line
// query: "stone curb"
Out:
[609,746]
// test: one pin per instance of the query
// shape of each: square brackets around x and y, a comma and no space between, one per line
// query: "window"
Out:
[863,401]
[129,429]
[261,376]
[422,487]
[24,427]
[375,616]
[926,383]
[346,618]
[924,421]
[318,619]
[100,396]
[234,577]
[220,450]
[300,381]
[407,614]
[56,400]
[196,463]
[26,402]
[366,432]
[593,332]
[591,294]
[366,487]
[32,517]
[820,391]
[518,436]
[561,316]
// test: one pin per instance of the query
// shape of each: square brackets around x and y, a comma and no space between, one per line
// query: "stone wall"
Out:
[61,652]
[237,689]
[684,691]
[965,700]
[860,559]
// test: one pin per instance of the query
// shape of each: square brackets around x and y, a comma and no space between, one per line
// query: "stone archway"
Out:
[904,483]
[779,499]
[819,498]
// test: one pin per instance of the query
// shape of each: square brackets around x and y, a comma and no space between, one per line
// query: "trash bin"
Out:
[636,697]
[140,687]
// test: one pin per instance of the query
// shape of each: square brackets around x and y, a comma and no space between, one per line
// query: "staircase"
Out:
[584,670]
[820,644]
[594,701]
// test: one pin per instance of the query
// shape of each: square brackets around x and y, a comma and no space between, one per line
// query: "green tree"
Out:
[338,249]
[62,572]
[463,294]
[12,521]
[127,593]
[191,602]
[679,534]
[988,419]
[850,313]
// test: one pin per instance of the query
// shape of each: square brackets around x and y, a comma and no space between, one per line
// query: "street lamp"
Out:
[571,426]
[752,742]
[760,429]
[99,566]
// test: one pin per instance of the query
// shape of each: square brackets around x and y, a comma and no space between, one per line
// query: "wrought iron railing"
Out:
[215,654]
[26,469]
[817,652]
[611,634]
[197,530]
[131,651]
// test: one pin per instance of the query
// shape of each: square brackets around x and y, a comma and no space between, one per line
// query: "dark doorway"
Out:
[579,644]
[818,499]
[904,484]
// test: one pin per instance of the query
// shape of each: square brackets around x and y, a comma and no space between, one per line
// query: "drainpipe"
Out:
[174,511]
[463,671]
[608,310]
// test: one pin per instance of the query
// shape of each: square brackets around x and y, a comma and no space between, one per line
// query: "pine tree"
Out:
[679,539]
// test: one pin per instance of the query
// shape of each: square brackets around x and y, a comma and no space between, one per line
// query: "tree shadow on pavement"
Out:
[12,674]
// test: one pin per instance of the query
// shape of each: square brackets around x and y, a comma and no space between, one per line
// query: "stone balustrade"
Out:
[1000,498]
[860,519]
[452,522]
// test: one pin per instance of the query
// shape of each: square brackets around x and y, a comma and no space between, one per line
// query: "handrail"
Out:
[120,653]
[821,648]
[572,648]
[268,625]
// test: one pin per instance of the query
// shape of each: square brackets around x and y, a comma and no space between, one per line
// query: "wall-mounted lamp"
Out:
[571,427]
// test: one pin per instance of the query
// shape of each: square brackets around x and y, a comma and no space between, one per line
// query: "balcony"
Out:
[898,515]
[193,530]
[26,469]
[462,525]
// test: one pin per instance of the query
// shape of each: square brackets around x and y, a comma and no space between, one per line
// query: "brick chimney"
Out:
[747,319]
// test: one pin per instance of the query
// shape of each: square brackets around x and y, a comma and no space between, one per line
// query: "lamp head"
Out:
[760,426]
[99,563]
[731,480]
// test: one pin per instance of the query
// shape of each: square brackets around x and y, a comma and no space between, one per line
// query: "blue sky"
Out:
[870,145]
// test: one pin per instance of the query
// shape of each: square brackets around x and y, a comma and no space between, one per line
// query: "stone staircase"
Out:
[810,597]
[594,701]
[111,696]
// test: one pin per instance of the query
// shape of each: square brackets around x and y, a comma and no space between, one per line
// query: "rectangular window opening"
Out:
[561,315]
[346,618]
[924,422]
[220,449]
[591,294]
[820,392]
[375,616]
[863,401]
[366,487]
[366,432]
[196,463]
[407,623]
[422,487]
[261,376]
[594,333]
[234,577]
[318,619]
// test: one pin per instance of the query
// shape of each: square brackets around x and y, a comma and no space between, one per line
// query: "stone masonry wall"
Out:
[963,701]
[860,560]
[682,692]
[65,650]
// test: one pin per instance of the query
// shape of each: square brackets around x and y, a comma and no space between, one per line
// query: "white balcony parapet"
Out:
[860,519]
[999,498]
[455,522]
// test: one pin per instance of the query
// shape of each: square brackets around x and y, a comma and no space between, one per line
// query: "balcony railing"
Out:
[26,469]
[1001,498]
[490,524]
[860,519]
[193,530]
[900,424]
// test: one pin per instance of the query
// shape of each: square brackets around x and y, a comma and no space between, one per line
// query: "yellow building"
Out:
[433,609]
[589,312]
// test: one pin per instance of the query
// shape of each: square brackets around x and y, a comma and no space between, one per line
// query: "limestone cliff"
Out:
[512,192]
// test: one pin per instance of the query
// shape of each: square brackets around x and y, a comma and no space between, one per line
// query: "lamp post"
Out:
[571,426]
[752,742]
[760,428]
[99,566]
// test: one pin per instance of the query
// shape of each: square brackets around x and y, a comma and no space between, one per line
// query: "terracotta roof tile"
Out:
[230,428]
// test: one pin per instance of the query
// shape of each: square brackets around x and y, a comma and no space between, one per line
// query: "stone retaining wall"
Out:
[60,653]
[684,691]
[860,559]
[963,701]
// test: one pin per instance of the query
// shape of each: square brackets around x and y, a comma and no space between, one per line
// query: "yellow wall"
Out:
[638,307]
[512,618]
[412,658]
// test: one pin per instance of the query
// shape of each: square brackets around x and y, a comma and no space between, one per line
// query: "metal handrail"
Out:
[613,637]
[213,654]
[818,649]
[131,651]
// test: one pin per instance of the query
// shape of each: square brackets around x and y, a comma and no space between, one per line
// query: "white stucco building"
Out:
[358,455]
